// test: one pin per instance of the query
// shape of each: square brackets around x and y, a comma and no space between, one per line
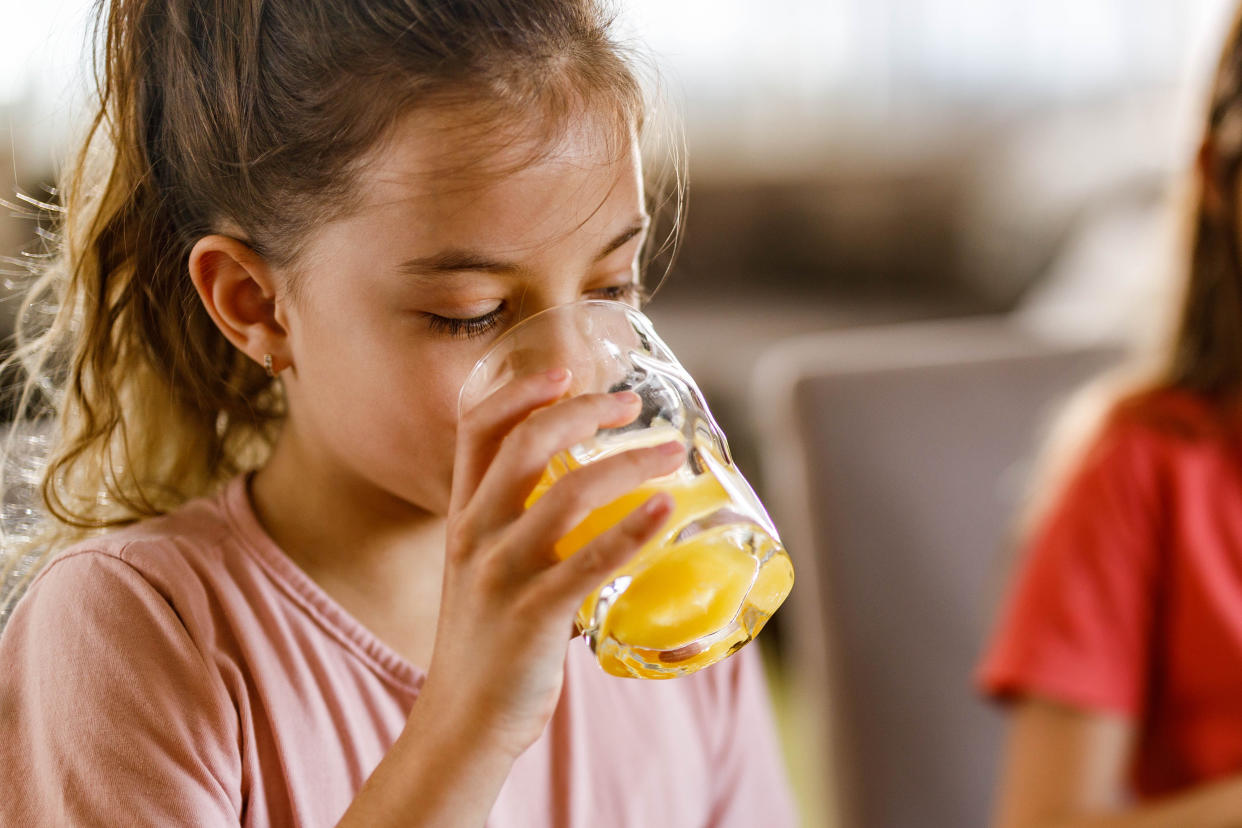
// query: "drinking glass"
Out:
[709,580]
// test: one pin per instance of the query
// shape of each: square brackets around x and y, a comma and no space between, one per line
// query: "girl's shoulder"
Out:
[113,639]
[1171,412]
[196,533]
[182,557]
[1156,438]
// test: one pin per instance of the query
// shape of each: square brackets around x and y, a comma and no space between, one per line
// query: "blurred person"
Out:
[287,586]
[1119,652]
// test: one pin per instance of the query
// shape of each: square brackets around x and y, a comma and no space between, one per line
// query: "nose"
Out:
[594,340]
[558,336]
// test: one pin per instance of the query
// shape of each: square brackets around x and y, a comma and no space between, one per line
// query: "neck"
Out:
[358,541]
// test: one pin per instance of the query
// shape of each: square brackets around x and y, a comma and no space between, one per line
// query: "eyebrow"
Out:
[455,260]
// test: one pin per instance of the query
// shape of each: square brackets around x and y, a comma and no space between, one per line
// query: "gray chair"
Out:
[894,462]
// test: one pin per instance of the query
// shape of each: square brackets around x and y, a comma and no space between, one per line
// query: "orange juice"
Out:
[700,589]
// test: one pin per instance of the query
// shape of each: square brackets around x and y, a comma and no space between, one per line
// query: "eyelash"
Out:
[479,325]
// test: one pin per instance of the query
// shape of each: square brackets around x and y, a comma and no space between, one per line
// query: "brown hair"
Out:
[241,117]
[1205,355]
[1201,350]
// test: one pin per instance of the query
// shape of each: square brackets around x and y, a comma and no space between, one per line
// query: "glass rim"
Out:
[608,304]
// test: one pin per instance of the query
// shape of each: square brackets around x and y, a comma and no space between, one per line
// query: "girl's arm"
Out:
[431,776]
[1066,768]
[507,605]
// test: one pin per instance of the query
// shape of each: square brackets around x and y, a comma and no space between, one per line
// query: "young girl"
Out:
[294,228]
[1121,648]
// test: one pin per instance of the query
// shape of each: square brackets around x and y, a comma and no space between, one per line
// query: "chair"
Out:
[894,460]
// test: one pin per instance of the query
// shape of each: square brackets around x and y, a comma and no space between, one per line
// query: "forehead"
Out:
[455,178]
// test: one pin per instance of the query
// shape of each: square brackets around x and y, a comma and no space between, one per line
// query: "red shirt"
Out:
[1129,598]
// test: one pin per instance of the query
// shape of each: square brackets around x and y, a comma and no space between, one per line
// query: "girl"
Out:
[1121,649]
[294,227]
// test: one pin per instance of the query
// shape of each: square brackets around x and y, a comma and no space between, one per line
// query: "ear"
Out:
[1207,166]
[238,289]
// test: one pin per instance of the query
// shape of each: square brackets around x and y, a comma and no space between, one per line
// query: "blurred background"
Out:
[914,227]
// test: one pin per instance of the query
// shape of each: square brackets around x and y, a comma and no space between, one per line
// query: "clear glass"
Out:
[709,581]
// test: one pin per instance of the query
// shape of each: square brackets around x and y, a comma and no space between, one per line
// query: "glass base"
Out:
[770,585]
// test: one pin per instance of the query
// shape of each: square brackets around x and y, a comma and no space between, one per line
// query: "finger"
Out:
[568,502]
[525,451]
[483,427]
[565,584]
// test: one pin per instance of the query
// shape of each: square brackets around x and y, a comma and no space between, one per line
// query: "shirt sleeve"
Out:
[1077,628]
[109,715]
[751,785]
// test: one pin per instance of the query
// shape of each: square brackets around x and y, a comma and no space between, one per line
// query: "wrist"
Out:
[454,739]
[468,725]
[437,773]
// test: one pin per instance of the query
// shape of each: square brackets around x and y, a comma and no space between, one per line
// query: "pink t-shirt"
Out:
[184,671]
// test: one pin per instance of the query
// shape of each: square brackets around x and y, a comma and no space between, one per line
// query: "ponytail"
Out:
[241,117]
[132,401]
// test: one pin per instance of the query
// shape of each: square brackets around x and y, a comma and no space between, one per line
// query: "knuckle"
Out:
[524,439]
[459,538]
[574,495]
[642,463]
[494,569]
[538,603]
[591,557]
[635,527]
[642,522]
[527,604]
[589,408]
[537,418]
[626,538]
[607,408]
[637,461]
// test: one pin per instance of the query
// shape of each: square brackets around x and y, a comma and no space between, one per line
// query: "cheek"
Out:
[382,393]
[406,392]
[413,418]
[403,396]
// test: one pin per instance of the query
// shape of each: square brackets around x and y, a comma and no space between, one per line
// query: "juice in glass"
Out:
[699,590]
[716,571]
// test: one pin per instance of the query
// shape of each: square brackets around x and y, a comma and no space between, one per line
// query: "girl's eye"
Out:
[464,328]
[479,325]
[624,293]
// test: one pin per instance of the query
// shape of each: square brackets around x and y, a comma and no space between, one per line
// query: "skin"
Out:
[1066,767]
[413,520]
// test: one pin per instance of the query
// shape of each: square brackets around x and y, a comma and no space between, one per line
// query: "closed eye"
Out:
[628,292]
[464,328]
[479,325]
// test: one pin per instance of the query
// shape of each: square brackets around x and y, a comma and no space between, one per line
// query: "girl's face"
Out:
[398,299]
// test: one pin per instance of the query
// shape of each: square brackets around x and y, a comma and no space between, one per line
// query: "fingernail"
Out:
[671,448]
[557,374]
[625,398]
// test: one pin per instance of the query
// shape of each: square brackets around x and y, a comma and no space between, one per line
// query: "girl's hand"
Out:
[508,602]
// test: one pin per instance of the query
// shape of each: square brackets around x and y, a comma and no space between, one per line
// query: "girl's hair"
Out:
[245,117]
[1201,350]
[1205,354]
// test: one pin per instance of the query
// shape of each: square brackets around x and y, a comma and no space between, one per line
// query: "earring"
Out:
[267,365]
